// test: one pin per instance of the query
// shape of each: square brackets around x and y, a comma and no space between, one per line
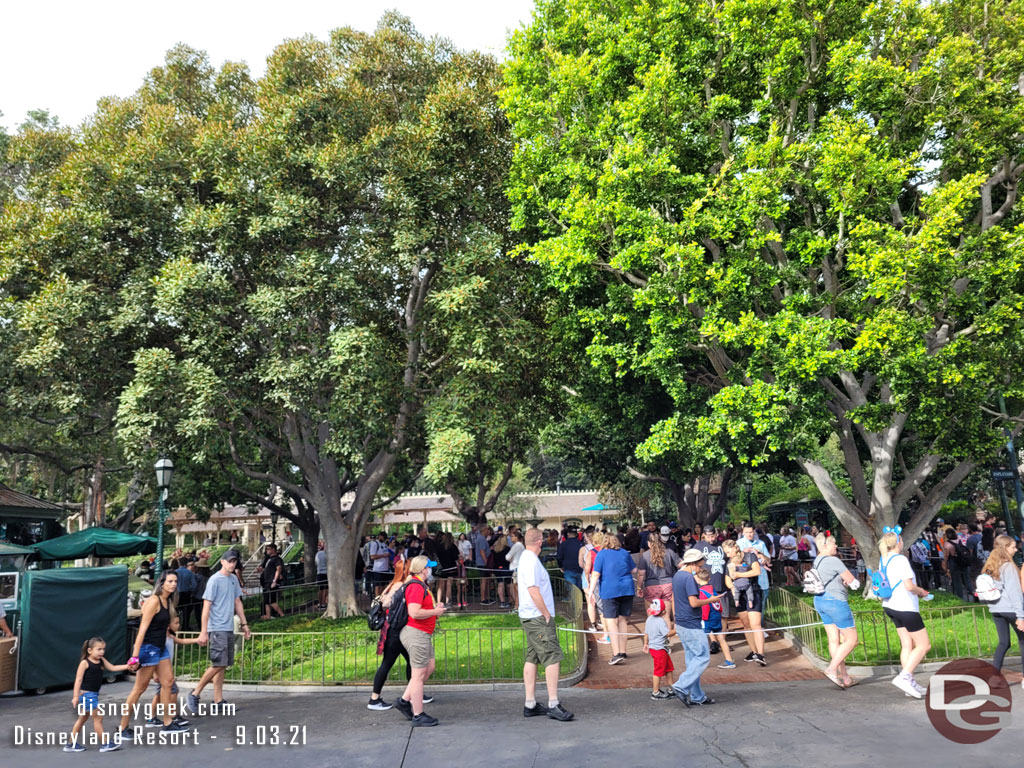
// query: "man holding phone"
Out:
[688,604]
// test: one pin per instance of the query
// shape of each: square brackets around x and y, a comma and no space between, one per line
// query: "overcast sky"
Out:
[63,55]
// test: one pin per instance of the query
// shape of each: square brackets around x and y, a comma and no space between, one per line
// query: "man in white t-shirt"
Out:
[537,615]
[787,552]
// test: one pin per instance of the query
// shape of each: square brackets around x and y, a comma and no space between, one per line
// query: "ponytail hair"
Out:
[888,543]
[88,644]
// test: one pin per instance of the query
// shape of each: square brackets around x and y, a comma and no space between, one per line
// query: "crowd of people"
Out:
[692,582]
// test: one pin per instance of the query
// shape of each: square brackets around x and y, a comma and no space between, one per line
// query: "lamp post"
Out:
[273,528]
[164,470]
[748,484]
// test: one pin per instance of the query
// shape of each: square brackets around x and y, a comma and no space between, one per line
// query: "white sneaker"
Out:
[917,686]
[905,684]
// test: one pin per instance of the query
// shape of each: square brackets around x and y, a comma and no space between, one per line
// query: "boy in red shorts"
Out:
[656,635]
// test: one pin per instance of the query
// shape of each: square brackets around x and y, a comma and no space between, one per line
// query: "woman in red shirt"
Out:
[417,638]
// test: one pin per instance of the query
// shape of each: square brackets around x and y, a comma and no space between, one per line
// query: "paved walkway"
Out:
[756,726]
[785,663]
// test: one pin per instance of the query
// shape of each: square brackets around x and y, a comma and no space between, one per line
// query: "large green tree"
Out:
[807,210]
[348,197]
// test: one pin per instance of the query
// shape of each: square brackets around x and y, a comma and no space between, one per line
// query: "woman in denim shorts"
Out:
[834,608]
[151,656]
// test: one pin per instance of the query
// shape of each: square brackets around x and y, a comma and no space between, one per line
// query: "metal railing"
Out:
[955,632]
[349,657]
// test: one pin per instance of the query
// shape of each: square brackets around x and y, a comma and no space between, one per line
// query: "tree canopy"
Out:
[806,211]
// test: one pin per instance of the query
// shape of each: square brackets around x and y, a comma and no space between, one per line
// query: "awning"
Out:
[101,542]
[14,549]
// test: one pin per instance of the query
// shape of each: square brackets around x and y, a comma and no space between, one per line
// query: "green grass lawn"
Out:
[956,629]
[312,649]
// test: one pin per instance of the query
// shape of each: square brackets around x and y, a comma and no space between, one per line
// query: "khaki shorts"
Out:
[419,645]
[542,646]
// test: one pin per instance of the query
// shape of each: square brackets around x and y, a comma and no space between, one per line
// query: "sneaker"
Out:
[537,710]
[192,704]
[127,735]
[486,602]
[219,705]
[74,746]
[662,695]
[604,641]
[173,728]
[427,698]
[110,746]
[154,722]
[616,659]
[715,647]
[760,659]
[378,705]
[917,686]
[423,720]
[180,720]
[707,702]
[405,707]
[904,683]
[558,712]
[727,665]
[750,656]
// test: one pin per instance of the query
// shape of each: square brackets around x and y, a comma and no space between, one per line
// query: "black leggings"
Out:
[393,648]
[1004,621]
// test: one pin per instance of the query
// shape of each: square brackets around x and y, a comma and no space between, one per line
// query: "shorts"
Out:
[503,575]
[151,655]
[658,592]
[174,686]
[662,662]
[271,596]
[321,578]
[380,578]
[713,623]
[222,649]
[750,600]
[908,620]
[88,701]
[419,645]
[834,611]
[728,606]
[613,607]
[542,646]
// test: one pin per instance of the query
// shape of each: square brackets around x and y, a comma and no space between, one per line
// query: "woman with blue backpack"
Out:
[896,585]
[999,586]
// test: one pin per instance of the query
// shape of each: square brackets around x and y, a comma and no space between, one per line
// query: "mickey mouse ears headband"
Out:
[897,530]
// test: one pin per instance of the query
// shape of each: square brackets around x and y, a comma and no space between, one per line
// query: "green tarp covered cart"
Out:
[101,542]
[61,609]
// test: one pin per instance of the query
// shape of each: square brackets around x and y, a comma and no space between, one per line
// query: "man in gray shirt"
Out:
[222,601]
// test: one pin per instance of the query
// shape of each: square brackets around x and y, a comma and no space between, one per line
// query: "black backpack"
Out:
[398,613]
[962,556]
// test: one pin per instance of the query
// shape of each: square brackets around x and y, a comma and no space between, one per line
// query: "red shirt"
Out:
[416,592]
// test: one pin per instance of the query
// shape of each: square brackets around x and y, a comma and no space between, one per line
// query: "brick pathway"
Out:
[784,662]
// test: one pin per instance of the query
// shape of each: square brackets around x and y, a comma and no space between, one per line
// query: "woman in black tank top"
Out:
[150,654]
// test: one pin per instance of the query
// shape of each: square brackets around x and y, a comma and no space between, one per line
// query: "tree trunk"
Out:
[342,544]
[310,529]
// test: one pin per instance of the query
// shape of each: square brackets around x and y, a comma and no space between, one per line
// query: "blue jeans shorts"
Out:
[834,611]
[88,701]
[151,655]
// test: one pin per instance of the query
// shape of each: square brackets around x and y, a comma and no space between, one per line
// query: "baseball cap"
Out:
[231,554]
[431,564]
[939,520]
[693,556]
[673,524]
[500,529]
[656,607]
